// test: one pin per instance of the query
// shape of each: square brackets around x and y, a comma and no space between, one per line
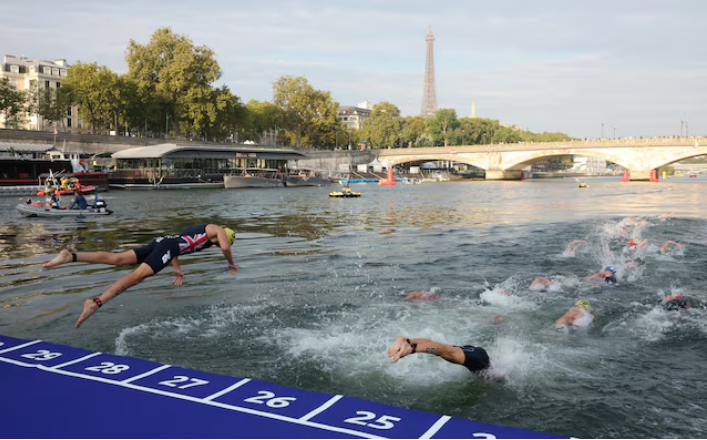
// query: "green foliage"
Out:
[12,103]
[414,127]
[384,127]
[443,124]
[179,75]
[93,89]
[309,115]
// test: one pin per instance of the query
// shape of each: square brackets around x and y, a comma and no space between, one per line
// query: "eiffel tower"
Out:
[429,95]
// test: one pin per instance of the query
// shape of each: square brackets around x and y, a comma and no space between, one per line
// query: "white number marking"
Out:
[1,344]
[383,422]
[483,435]
[270,400]
[41,355]
[180,379]
[108,368]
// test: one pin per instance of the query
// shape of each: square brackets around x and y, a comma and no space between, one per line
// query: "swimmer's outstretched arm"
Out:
[668,243]
[573,243]
[225,246]
[645,240]
[401,348]
[178,274]
[596,275]
[414,295]
[567,317]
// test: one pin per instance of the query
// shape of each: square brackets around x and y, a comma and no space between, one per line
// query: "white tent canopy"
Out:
[376,163]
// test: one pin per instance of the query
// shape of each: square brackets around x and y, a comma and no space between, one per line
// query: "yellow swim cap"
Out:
[582,303]
[231,234]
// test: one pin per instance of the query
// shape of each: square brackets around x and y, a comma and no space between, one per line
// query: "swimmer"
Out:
[578,316]
[665,215]
[474,358]
[574,243]
[608,274]
[546,282]
[423,295]
[676,302]
[151,259]
[668,243]
[635,244]
[633,221]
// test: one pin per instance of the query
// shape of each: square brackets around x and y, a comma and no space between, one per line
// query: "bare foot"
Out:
[399,349]
[63,257]
[89,308]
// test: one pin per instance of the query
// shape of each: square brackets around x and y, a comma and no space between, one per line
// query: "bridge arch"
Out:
[475,162]
[541,156]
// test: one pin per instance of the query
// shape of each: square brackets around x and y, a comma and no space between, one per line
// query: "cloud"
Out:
[546,65]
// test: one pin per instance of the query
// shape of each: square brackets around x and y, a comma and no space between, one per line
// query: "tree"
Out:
[179,73]
[263,117]
[93,89]
[230,114]
[309,114]
[53,104]
[413,128]
[12,103]
[443,124]
[383,128]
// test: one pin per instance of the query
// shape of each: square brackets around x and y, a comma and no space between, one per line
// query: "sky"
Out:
[638,67]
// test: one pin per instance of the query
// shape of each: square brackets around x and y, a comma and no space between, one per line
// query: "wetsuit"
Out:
[585,320]
[162,250]
[475,358]
[611,279]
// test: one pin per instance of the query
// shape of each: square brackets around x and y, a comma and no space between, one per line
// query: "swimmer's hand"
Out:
[233,269]
[399,349]
[178,278]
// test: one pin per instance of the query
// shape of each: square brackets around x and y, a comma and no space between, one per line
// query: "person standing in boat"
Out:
[151,259]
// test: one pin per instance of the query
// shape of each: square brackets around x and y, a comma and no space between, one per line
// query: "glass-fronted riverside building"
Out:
[173,163]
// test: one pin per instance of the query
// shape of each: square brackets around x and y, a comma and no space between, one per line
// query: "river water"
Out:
[320,295]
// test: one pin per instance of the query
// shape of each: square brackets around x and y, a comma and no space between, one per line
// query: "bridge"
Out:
[505,161]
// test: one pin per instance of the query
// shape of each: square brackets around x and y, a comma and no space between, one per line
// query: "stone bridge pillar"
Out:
[503,175]
[640,175]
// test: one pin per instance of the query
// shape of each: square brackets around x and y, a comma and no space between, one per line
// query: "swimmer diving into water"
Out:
[151,259]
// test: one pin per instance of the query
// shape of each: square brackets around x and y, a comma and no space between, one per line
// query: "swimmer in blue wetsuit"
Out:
[608,274]
[151,259]
[473,358]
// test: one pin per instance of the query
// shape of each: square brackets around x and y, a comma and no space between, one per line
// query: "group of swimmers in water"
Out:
[164,250]
[579,316]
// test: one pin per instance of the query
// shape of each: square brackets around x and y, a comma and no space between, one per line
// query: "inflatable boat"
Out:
[39,210]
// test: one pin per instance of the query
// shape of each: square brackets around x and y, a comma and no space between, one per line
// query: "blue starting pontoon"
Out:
[56,391]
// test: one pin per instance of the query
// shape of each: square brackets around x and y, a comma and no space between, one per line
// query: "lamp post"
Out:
[166,126]
[614,132]
[602,131]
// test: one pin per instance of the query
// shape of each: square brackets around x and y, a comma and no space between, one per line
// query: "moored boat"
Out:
[306,179]
[264,179]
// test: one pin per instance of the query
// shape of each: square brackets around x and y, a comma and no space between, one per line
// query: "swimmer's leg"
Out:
[136,277]
[113,258]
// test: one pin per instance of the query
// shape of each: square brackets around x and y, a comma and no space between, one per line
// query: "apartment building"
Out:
[354,116]
[24,75]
